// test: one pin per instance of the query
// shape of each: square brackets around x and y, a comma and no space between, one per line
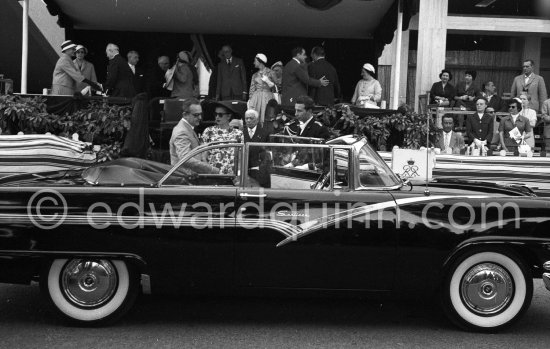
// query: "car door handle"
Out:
[246,195]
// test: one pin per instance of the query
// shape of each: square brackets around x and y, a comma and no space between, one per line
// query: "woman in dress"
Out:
[368,91]
[442,92]
[467,91]
[508,123]
[223,158]
[260,86]
[84,67]
[530,114]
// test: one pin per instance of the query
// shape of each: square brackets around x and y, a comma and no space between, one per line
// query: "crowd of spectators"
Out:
[274,83]
[527,99]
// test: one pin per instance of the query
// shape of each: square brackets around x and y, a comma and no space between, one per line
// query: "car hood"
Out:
[120,172]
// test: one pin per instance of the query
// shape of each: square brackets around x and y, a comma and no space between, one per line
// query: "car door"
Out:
[328,237]
[197,222]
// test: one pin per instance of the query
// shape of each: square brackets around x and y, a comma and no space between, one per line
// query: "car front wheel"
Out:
[90,291]
[487,290]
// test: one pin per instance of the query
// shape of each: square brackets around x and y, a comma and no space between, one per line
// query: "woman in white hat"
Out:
[260,86]
[368,91]
[86,68]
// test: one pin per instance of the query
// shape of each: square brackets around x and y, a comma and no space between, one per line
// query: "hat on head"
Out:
[369,67]
[237,107]
[277,64]
[261,57]
[67,45]
[80,47]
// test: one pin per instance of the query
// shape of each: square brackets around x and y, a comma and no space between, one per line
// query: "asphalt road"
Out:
[155,322]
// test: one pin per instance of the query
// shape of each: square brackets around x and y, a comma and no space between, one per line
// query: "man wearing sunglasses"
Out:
[184,139]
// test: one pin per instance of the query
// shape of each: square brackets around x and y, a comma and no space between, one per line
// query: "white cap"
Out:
[262,58]
[80,47]
[369,67]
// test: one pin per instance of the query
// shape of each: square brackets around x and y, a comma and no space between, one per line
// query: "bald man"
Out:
[119,75]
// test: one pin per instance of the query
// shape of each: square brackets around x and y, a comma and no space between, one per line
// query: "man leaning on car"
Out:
[184,139]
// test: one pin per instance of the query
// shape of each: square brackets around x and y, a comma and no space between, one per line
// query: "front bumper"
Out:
[546,279]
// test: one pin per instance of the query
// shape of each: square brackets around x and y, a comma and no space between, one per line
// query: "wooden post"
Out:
[25,46]
[432,42]
[397,64]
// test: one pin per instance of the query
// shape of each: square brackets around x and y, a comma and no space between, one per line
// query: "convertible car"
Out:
[276,219]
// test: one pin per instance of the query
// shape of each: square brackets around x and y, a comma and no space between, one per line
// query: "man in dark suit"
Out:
[231,77]
[304,124]
[494,101]
[480,126]
[119,75]
[259,161]
[138,76]
[296,78]
[156,79]
[323,95]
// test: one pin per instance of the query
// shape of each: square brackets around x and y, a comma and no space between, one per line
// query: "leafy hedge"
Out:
[105,125]
[99,123]
[379,127]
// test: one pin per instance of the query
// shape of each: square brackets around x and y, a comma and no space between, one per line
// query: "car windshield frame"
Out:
[379,163]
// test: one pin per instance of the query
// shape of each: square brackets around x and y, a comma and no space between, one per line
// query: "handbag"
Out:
[169,76]
[524,148]
[276,95]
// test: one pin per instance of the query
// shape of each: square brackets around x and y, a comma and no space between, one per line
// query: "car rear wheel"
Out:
[90,291]
[487,290]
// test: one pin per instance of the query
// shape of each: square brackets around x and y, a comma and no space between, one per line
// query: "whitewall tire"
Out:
[487,290]
[90,291]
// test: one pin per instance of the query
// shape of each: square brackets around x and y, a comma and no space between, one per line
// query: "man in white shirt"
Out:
[138,79]
[449,141]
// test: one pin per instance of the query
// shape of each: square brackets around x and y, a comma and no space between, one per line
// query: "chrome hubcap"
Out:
[487,289]
[89,283]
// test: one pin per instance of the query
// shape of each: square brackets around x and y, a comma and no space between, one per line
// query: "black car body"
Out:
[327,218]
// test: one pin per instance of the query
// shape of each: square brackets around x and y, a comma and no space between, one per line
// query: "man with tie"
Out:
[449,141]
[231,73]
[305,125]
[184,139]
[138,76]
[531,83]
[259,161]
[119,75]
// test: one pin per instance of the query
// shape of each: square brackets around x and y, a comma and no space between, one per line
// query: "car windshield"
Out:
[373,171]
